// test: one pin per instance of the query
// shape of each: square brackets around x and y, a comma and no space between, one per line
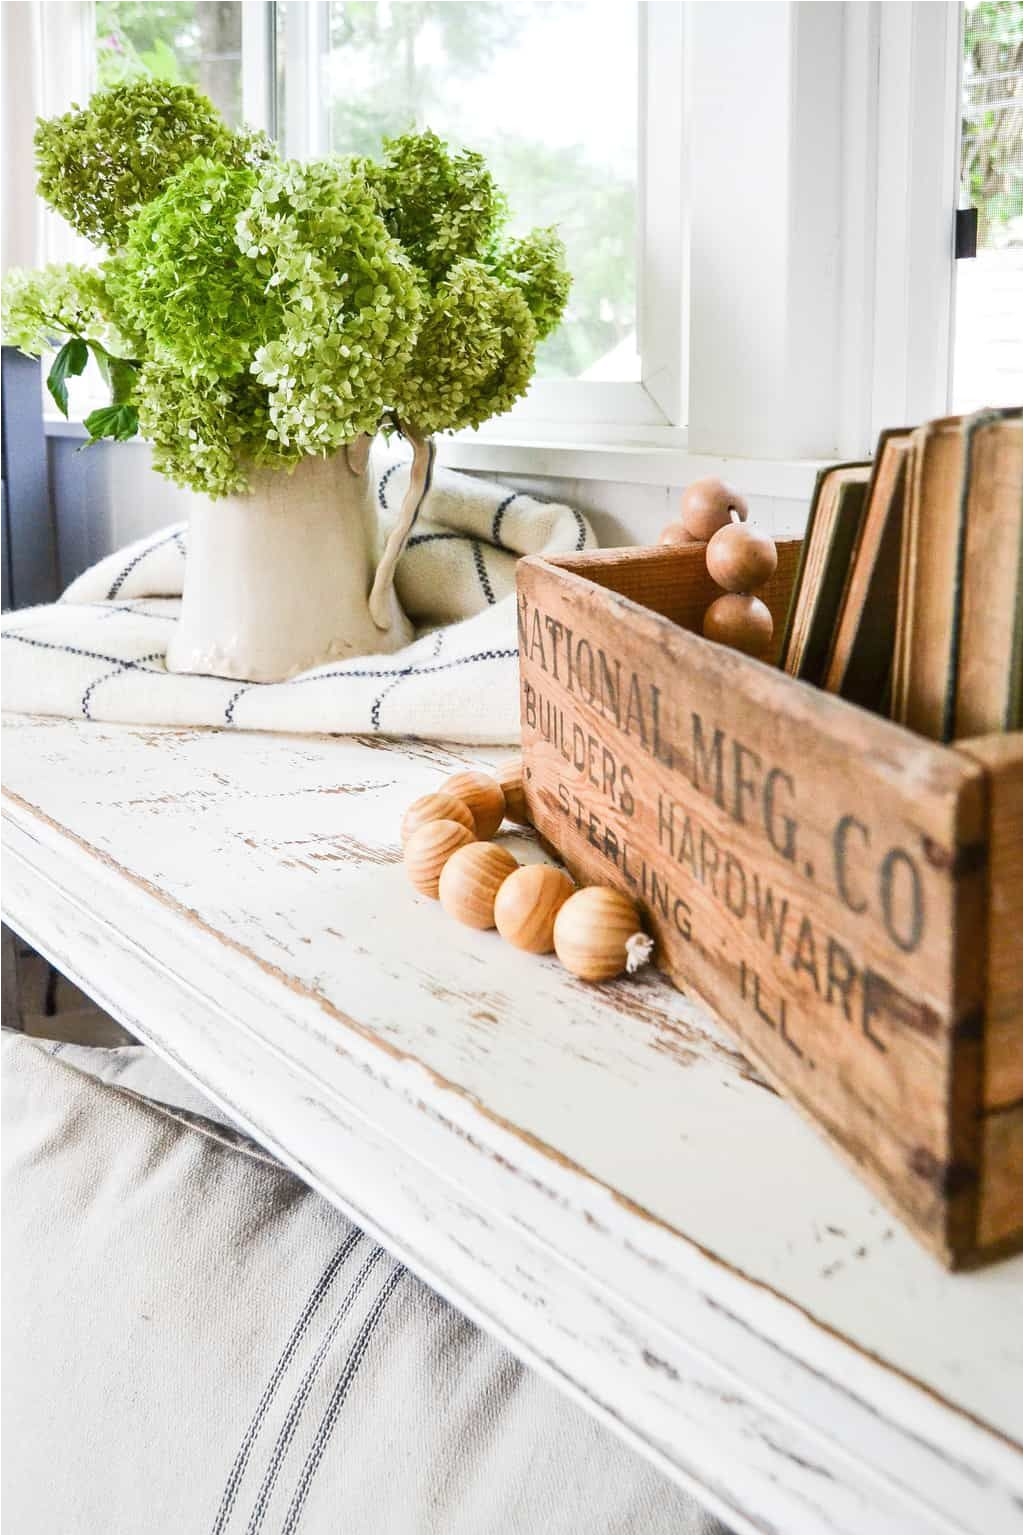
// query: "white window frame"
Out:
[798,188]
[600,409]
[64,70]
[822,275]
[919,79]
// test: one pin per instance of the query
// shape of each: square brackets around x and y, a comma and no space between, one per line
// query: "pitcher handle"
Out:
[421,473]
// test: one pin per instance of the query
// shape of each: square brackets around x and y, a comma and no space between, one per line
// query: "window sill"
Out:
[627,463]
[664,463]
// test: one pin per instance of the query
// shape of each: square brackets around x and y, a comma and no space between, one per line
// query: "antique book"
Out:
[987,682]
[862,646]
[929,607]
[832,529]
[959,568]
[897,680]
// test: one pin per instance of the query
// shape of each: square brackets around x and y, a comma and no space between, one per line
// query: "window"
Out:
[549,94]
[576,104]
[85,46]
[757,198]
[988,356]
[191,43]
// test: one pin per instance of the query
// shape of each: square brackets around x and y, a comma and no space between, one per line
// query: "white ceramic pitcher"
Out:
[286,577]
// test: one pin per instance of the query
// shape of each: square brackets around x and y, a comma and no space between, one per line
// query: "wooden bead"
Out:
[675,533]
[591,930]
[744,623]
[438,807]
[428,851]
[740,558]
[527,904]
[510,780]
[483,796]
[470,882]
[706,505]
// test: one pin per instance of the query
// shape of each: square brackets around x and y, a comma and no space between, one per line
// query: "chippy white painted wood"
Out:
[593,1173]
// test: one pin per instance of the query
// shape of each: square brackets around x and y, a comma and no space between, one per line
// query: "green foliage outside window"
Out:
[182,42]
[991,166]
[389,89]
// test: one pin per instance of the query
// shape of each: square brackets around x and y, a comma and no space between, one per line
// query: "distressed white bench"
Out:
[595,1175]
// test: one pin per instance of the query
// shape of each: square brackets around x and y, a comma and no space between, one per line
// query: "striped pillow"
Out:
[194,1341]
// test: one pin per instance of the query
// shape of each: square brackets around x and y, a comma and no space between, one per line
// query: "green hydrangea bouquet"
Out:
[253,315]
[253,311]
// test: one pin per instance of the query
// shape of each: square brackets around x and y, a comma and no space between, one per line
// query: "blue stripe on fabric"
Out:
[382,484]
[411,671]
[481,571]
[362,674]
[119,671]
[175,537]
[301,1397]
[298,1333]
[499,517]
[77,650]
[438,538]
[333,1410]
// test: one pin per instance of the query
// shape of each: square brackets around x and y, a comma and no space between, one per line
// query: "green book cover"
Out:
[794,600]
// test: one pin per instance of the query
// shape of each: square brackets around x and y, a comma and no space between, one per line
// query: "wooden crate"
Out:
[844,894]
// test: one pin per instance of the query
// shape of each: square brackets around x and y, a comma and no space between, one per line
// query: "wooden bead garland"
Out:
[675,533]
[439,807]
[593,931]
[707,505]
[740,621]
[527,904]
[482,885]
[428,851]
[738,558]
[484,797]
[510,780]
[470,881]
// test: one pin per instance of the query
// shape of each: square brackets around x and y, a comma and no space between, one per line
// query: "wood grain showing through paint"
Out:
[594,1173]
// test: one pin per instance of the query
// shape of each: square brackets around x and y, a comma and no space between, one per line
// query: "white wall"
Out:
[107,495]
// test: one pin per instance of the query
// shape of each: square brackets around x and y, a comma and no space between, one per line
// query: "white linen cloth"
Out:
[98,654]
[194,1341]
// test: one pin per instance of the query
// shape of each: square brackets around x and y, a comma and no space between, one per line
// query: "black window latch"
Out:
[966,233]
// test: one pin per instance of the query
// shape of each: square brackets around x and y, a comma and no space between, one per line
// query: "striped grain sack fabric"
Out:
[98,654]
[194,1341]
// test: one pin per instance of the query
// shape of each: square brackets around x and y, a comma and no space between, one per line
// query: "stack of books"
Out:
[908,597]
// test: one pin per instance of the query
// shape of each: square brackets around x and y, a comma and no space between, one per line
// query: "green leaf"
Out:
[68,364]
[117,421]
[119,373]
[162,62]
[102,357]
[123,375]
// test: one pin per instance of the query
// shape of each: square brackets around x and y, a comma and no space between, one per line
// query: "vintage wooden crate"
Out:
[844,894]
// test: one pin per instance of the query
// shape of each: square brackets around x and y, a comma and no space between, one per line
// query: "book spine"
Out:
[971,428]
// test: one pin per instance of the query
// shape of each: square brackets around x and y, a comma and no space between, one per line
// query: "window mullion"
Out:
[767,243]
[259,72]
[918,178]
[305,32]
[659,401]
[663,285]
